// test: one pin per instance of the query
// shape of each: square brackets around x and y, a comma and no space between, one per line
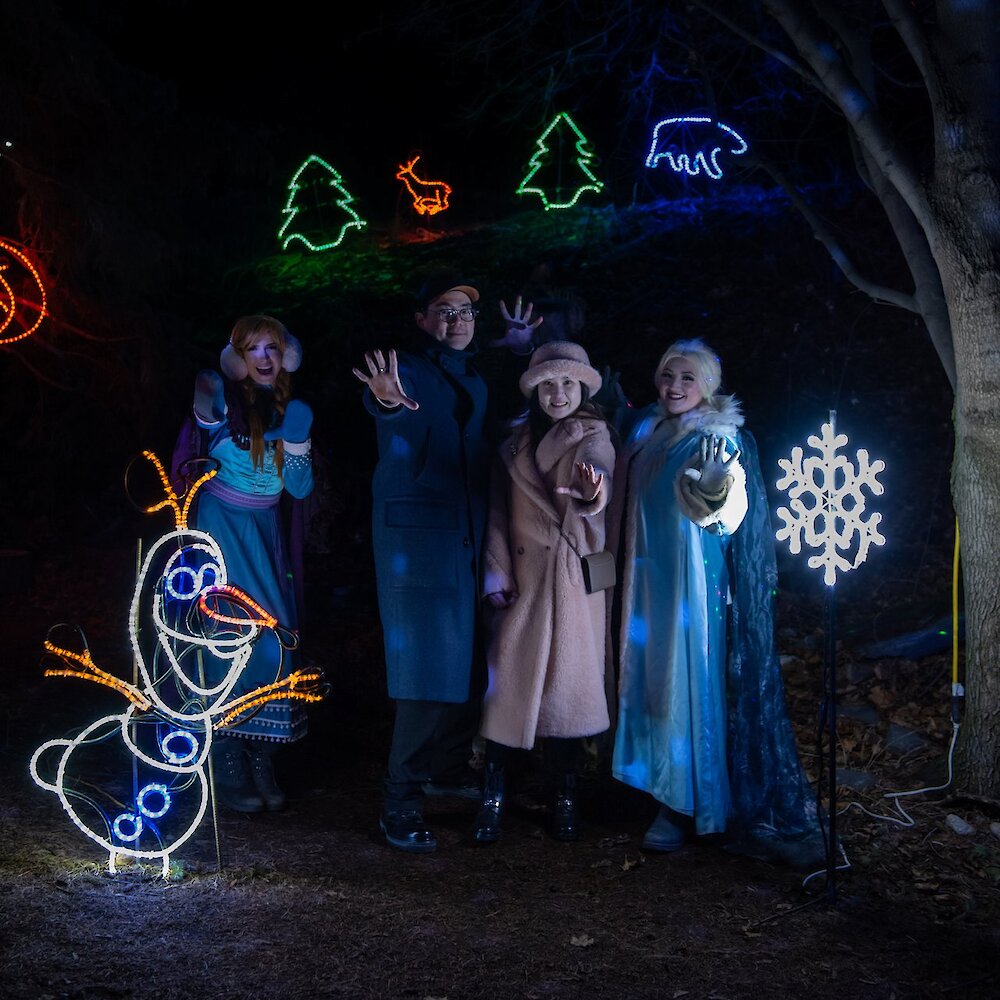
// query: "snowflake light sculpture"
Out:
[835,510]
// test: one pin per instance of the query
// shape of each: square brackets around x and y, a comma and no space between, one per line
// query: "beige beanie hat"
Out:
[558,358]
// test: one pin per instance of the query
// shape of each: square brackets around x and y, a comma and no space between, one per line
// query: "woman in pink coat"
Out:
[547,650]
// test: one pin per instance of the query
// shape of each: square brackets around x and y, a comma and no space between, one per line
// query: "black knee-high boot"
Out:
[262,770]
[234,785]
[562,756]
[487,826]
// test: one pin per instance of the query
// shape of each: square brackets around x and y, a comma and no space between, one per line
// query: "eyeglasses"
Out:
[467,314]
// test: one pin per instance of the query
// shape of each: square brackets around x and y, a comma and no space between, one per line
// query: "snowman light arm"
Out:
[92,672]
[300,685]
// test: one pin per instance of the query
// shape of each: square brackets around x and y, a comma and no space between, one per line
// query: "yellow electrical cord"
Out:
[954,610]
[957,690]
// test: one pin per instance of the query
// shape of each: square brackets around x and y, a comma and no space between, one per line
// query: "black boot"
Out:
[234,787]
[487,828]
[565,821]
[262,772]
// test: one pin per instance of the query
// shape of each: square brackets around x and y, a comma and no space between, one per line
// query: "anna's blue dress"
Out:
[239,508]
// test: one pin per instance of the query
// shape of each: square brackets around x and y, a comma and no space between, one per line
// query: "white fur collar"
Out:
[720,415]
[657,433]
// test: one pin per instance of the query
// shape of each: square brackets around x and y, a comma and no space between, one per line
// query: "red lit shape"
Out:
[429,197]
[255,614]
[20,314]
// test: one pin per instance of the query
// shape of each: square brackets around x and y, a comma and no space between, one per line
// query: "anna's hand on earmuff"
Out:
[296,425]
[209,397]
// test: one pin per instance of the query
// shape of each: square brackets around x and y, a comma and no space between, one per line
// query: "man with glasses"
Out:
[429,502]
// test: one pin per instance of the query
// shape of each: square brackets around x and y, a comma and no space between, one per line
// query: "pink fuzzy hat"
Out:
[558,358]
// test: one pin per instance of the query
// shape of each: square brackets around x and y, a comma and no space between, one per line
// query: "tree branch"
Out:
[858,109]
[755,40]
[823,233]
[902,19]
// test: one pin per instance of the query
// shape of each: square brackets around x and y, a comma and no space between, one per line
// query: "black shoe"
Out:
[407,830]
[565,822]
[468,786]
[262,772]
[234,787]
[487,826]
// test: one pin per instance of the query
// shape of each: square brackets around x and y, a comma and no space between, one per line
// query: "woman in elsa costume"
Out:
[702,725]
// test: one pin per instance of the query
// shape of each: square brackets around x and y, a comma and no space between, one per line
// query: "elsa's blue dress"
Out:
[702,725]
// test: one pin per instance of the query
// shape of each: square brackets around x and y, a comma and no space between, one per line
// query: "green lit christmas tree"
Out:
[559,171]
[318,210]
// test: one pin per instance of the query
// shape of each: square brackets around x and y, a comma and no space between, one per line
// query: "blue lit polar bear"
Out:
[182,607]
[692,145]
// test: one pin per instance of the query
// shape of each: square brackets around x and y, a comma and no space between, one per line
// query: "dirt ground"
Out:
[312,903]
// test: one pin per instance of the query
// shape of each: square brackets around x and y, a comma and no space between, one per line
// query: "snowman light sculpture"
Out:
[183,607]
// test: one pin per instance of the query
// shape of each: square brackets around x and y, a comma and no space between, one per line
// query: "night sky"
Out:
[360,86]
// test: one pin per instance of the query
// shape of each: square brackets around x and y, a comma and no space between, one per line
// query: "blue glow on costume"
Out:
[703,725]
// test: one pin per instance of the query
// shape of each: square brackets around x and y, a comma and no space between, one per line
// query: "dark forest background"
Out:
[149,155]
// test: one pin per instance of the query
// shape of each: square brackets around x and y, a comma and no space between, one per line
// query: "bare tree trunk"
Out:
[972,288]
[950,235]
[965,202]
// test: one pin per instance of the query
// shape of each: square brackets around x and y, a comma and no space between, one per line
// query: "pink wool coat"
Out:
[547,651]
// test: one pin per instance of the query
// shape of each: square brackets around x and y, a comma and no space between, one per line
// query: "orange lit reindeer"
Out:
[429,197]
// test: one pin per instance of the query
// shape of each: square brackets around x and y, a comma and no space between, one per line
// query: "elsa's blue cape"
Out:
[775,815]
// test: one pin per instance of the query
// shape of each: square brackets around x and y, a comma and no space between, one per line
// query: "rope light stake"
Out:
[826,511]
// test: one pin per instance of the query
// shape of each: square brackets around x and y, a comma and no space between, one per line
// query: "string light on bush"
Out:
[562,153]
[692,145]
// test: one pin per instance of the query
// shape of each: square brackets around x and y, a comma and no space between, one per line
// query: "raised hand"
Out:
[383,380]
[209,396]
[587,487]
[519,328]
[713,465]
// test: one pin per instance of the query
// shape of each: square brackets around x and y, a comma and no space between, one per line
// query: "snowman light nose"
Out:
[211,599]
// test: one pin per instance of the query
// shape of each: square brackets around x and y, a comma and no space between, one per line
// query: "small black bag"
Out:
[598,571]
